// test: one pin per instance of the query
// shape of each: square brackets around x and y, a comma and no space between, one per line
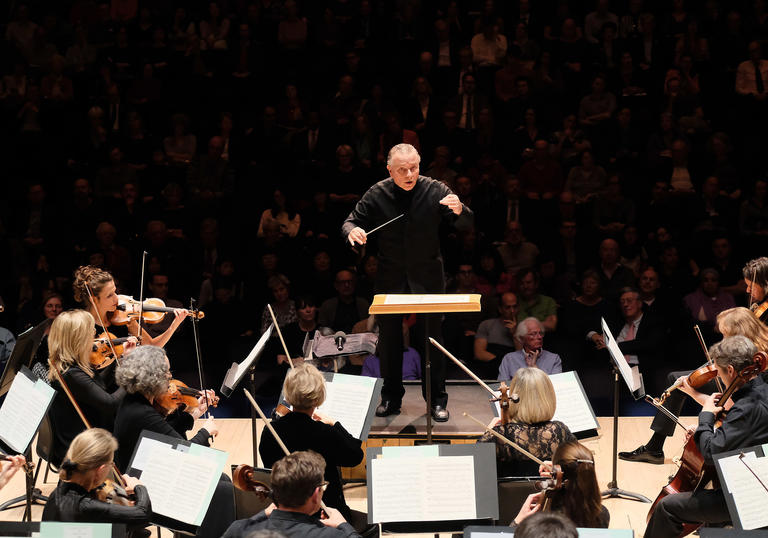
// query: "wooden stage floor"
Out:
[235,438]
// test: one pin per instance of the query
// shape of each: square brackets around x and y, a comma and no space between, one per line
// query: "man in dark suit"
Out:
[409,262]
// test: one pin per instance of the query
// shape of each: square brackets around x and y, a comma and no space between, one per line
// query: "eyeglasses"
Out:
[536,333]
[323,485]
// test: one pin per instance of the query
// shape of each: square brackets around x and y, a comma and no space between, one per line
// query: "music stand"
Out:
[236,373]
[23,353]
[634,382]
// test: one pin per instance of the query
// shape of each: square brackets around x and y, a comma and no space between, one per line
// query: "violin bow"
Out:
[706,354]
[103,326]
[141,290]
[87,424]
[280,334]
[669,414]
[199,357]
[505,440]
[268,424]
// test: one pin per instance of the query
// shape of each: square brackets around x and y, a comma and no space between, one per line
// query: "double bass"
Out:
[694,471]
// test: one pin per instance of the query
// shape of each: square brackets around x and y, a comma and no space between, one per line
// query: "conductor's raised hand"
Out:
[453,203]
[357,235]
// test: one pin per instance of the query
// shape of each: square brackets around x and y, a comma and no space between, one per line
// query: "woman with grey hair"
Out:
[145,375]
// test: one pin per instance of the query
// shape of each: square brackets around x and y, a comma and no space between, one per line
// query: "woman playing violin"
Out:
[145,376]
[306,429]
[69,343]
[530,424]
[87,465]
[745,424]
[755,274]
[104,302]
[731,322]
[578,498]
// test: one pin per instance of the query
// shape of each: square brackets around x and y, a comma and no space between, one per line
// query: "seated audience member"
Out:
[281,212]
[340,313]
[144,376]
[530,424]
[613,275]
[579,499]
[306,429]
[86,465]
[532,303]
[517,253]
[546,525]
[708,300]
[494,338]
[283,306]
[300,332]
[530,335]
[158,287]
[297,490]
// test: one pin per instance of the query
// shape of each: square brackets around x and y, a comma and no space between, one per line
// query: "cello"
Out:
[694,471]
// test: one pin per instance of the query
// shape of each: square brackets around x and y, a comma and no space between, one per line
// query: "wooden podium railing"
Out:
[429,304]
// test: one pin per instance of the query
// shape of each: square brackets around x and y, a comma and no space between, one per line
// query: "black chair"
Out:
[513,490]
[44,447]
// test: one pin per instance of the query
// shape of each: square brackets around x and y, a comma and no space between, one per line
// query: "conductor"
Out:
[409,262]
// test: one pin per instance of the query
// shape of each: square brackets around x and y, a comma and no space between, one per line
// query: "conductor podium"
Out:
[429,305]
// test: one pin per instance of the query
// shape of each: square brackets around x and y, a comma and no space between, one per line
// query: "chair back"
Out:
[513,490]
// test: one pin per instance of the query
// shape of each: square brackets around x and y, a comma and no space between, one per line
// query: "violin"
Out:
[112,493]
[696,379]
[550,485]
[179,395]
[242,478]
[106,348]
[694,470]
[28,466]
[759,309]
[152,311]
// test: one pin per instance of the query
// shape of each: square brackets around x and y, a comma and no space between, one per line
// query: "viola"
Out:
[112,493]
[694,470]
[179,395]
[242,478]
[152,311]
[106,348]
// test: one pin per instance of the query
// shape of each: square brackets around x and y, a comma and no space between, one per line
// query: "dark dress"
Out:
[136,414]
[299,432]
[70,502]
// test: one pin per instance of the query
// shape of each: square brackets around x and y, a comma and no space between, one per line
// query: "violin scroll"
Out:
[242,478]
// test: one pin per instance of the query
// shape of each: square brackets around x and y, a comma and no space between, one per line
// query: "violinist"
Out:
[69,345]
[745,424]
[298,487]
[731,322]
[86,466]
[306,429]
[145,375]
[579,497]
[530,424]
[755,274]
[105,302]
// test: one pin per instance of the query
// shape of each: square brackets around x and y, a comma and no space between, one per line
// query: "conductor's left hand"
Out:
[453,203]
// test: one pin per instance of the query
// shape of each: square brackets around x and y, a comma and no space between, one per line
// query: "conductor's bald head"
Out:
[403,165]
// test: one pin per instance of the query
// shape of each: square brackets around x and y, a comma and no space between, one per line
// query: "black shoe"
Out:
[644,455]
[387,407]
[440,414]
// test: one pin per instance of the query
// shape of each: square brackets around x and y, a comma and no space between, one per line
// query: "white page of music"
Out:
[23,409]
[347,400]
[749,495]
[423,488]
[167,471]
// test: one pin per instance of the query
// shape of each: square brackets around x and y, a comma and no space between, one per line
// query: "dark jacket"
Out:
[409,248]
[98,406]
[70,502]
[299,432]
[292,524]
[136,414]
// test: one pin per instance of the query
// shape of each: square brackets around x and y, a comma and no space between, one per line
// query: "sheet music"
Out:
[24,407]
[243,366]
[55,529]
[167,471]
[749,496]
[347,399]
[631,379]
[572,407]
[423,489]
[405,299]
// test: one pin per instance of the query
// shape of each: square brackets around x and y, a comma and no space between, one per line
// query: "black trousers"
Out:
[702,506]
[391,355]
[661,423]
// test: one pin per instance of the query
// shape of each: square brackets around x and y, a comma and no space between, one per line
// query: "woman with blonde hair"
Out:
[742,321]
[87,464]
[306,429]
[579,499]
[530,424]
[70,342]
